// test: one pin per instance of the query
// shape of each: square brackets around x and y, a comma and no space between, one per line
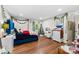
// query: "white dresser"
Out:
[8,42]
[57,35]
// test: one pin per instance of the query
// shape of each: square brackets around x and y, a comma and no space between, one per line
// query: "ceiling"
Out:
[39,11]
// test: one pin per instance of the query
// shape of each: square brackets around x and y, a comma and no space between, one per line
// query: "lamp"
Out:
[5,26]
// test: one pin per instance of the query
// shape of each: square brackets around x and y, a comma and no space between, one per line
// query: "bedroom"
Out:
[39,29]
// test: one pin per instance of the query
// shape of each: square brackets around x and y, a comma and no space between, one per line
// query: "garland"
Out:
[20,21]
[60,17]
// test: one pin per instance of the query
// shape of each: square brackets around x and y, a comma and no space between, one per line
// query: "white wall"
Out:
[22,26]
[48,23]
[0,13]
[37,22]
[27,26]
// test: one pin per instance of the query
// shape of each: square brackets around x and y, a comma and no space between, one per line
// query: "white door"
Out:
[76,26]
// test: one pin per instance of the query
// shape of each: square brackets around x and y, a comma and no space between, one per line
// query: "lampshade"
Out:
[5,26]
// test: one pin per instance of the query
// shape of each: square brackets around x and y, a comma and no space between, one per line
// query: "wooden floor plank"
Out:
[42,46]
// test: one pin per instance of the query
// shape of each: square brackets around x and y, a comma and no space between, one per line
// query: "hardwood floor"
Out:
[42,46]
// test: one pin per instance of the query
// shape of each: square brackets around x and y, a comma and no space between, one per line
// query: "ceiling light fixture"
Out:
[40,18]
[20,14]
[59,10]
